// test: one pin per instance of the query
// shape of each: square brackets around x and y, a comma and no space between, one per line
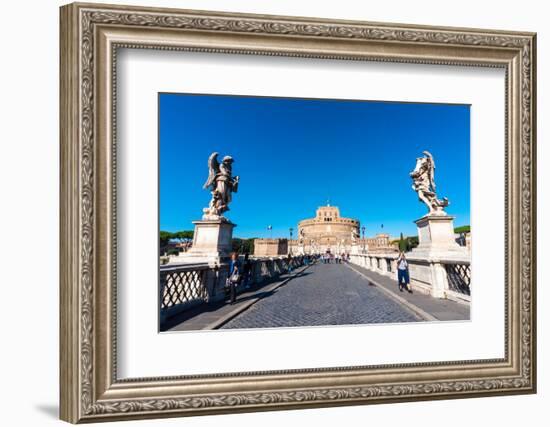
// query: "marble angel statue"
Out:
[221,184]
[424,184]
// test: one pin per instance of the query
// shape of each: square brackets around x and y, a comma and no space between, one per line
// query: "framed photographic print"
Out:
[265,212]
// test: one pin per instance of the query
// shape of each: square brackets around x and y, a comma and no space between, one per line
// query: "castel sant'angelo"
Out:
[326,232]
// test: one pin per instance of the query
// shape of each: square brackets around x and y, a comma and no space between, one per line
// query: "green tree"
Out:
[236,244]
[184,236]
[248,246]
[462,229]
[243,246]
[412,242]
[403,244]
[164,237]
[407,243]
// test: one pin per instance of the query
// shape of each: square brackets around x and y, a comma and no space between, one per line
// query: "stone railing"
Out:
[441,278]
[184,286]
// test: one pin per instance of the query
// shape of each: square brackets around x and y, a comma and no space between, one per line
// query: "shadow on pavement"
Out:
[254,292]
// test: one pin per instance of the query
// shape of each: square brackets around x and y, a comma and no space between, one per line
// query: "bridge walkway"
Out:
[434,308]
[322,294]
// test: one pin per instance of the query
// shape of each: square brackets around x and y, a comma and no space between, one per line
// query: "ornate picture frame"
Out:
[90,37]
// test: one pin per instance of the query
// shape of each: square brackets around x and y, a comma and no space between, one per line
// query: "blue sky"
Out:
[294,154]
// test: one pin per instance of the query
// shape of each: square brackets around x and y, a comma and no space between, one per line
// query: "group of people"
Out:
[240,272]
[328,258]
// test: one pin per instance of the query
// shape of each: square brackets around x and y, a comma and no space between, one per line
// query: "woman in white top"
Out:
[403,279]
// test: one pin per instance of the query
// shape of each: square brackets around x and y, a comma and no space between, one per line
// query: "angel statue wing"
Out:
[432,168]
[213,169]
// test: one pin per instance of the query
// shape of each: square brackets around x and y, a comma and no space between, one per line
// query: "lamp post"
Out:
[290,230]
[363,238]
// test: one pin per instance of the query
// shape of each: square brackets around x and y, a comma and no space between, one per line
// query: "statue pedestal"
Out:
[436,238]
[211,242]
[436,247]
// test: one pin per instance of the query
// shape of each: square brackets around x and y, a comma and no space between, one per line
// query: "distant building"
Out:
[328,231]
[270,247]
[381,243]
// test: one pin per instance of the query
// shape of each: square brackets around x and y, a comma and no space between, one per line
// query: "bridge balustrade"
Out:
[441,278]
[185,286]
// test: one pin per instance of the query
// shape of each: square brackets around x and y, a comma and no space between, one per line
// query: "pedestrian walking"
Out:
[234,277]
[247,271]
[403,279]
[289,263]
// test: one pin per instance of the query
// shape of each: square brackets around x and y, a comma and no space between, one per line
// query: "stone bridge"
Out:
[361,291]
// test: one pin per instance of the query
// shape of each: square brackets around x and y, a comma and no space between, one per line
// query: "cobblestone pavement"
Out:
[325,294]
[440,309]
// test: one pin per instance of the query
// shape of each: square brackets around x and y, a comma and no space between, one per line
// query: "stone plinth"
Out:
[436,238]
[211,242]
[436,246]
